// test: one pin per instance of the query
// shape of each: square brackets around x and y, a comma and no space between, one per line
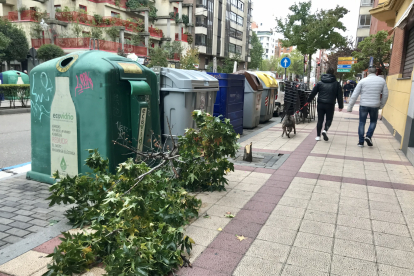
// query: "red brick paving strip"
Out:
[225,252]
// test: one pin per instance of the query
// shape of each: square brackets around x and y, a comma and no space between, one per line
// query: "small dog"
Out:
[288,124]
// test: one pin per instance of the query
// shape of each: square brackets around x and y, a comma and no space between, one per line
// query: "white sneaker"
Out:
[318,138]
[325,135]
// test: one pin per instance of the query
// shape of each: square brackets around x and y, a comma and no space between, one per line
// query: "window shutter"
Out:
[409,55]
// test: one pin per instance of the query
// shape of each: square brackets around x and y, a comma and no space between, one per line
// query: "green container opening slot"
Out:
[88,100]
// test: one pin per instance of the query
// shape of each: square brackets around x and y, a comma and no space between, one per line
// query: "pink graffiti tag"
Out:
[83,82]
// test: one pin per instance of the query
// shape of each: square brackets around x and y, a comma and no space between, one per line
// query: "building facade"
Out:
[398,113]
[364,20]
[222,29]
[377,25]
[279,50]
[218,28]
[267,38]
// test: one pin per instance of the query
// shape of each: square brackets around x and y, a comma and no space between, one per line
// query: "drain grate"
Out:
[261,160]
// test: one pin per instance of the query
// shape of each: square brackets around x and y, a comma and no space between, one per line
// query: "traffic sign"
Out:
[343,70]
[344,66]
[285,62]
[347,61]
[347,58]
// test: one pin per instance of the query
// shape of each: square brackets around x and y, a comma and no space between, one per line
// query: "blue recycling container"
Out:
[230,99]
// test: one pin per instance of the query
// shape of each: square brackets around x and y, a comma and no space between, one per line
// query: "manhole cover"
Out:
[261,160]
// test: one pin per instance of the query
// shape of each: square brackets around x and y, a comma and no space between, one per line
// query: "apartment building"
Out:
[279,50]
[267,38]
[222,29]
[70,24]
[377,25]
[364,20]
[398,113]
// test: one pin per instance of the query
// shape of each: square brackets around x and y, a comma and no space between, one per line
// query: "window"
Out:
[367,2]
[365,20]
[233,17]
[359,39]
[200,40]
[201,21]
[234,3]
[409,54]
[58,7]
[201,3]
[239,20]
[232,48]
[82,7]
[238,49]
[115,14]
[240,5]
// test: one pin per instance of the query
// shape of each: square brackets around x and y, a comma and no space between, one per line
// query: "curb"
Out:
[14,111]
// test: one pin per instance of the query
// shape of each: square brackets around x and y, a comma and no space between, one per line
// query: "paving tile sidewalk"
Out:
[332,208]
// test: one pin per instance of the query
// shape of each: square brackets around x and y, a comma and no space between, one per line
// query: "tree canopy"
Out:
[312,31]
[17,47]
[49,51]
[189,59]
[343,51]
[158,57]
[256,54]
[378,46]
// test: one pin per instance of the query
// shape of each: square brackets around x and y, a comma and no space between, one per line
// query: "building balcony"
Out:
[250,46]
[183,37]
[82,43]
[154,32]
[200,30]
[106,21]
[27,15]
[202,49]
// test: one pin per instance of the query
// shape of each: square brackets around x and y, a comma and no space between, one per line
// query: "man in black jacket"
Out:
[329,91]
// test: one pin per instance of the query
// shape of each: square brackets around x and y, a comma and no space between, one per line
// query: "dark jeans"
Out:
[328,110]
[373,117]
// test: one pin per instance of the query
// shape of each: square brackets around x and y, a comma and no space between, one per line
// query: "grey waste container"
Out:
[182,92]
[253,90]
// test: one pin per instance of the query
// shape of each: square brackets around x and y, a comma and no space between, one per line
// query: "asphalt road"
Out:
[15,145]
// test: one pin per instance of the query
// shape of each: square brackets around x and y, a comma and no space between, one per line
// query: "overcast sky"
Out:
[265,13]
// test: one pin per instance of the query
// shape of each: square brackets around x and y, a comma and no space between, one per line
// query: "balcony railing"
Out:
[106,21]
[154,32]
[201,24]
[83,43]
[183,37]
[27,15]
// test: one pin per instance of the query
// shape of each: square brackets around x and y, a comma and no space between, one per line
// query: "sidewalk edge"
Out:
[15,250]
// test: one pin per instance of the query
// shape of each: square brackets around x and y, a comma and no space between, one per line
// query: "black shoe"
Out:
[369,141]
[361,145]
[325,136]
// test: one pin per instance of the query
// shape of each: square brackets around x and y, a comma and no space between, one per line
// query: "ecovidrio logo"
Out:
[63,116]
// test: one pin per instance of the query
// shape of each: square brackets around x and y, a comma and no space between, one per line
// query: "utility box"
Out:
[14,77]
[182,92]
[253,89]
[88,100]
[230,99]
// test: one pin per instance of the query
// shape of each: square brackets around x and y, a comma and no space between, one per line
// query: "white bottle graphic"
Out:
[63,131]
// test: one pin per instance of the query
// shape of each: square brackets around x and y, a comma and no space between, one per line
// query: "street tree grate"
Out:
[261,160]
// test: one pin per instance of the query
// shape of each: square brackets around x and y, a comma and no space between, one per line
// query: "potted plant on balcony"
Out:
[189,37]
[98,19]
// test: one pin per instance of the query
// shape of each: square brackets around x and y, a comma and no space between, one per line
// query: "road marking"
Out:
[17,169]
